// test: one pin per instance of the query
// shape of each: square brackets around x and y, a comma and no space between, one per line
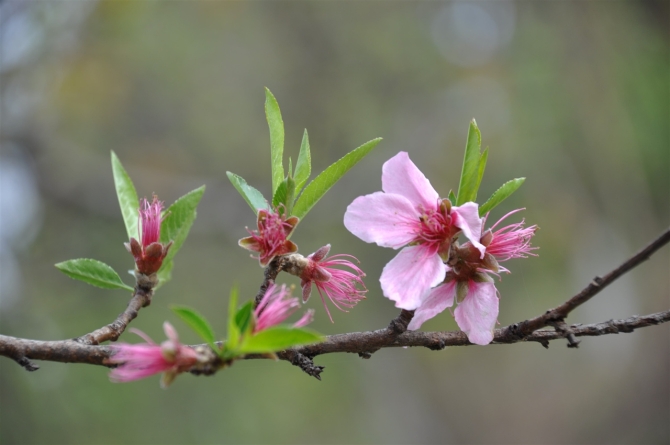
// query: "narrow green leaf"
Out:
[164,273]
[304,166]
[196,322]
[322,183]
[252,196]
[233,339]
[278,338]
[470,171]
[480,173]
[500,195]
[244,319]
[452,197]
[125,192]
[178,220]
[285,196]
[276,125]
[93,272]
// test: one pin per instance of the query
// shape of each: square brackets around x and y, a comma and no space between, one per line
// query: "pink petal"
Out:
[466,218]
[171,333]
[386,219]
[478,313]
[401,177]
[410,274]
[435,301]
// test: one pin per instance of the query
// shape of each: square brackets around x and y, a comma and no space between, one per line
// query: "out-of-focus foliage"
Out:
[574,96]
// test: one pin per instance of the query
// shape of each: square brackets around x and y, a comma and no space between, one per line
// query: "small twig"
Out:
[399,324]
[525,328]
[269,276]
[141,298]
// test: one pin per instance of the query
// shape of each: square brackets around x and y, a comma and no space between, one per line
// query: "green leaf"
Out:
[125,192]
[93,272]
[178,220]
[233,339]
[285,195]
[278,338]
[276,125]
[452,197]
[177,223]
[304,166]
[196,322]
[252,196]
[467,188]
[480,173]
[322,183]
[500,195]
[244,319]
[164,273]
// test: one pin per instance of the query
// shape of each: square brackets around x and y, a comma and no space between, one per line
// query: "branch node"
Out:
[437,345]
[399,324]
[366,354]
[303,362]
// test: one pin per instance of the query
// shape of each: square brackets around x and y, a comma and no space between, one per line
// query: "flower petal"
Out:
[401,177]
[435,301]
[386,219]
[466,218]
[410,274]
[478,313]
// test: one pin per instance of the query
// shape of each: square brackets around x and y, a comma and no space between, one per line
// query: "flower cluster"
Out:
[143,360]
[149,252]
[432,270]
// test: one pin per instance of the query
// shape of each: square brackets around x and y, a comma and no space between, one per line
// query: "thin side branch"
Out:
[558,314]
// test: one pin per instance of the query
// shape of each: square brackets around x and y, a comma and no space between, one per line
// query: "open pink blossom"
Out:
[343,287]
[271,238]
[276,306]
[477,310]
[143,360]
[149,253]
[409,214]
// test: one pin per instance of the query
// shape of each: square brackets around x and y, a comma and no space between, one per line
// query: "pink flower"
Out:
[276,306]
[340,286]
[477,311]
[149,255]
[270,240]
[410,214]
[142,360]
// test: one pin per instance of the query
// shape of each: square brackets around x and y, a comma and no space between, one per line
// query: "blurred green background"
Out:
[572,95]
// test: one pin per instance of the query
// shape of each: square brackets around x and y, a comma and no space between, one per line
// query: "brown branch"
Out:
[558,314]
[141,298]
[70,351]
[363,343]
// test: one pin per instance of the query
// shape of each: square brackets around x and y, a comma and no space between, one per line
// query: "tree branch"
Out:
[87,350]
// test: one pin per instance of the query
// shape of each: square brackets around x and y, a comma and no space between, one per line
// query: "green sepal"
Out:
[472,164]
[251,195]
[93,272]
[198,323]
[127,196]
[322,183]
[276,125]
[500,195]
[278,338]
[303,167]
